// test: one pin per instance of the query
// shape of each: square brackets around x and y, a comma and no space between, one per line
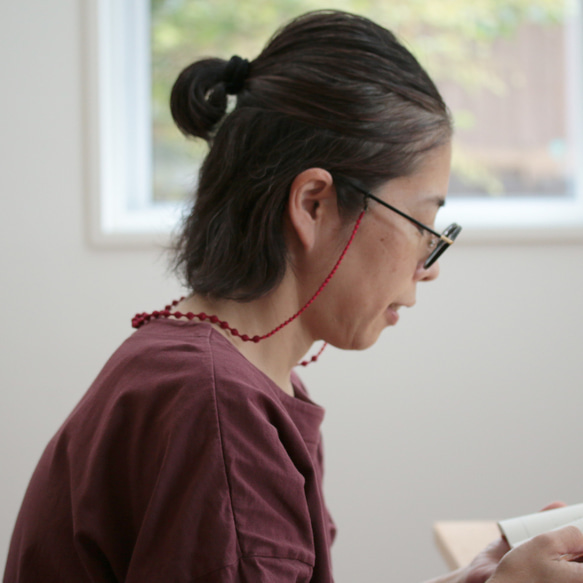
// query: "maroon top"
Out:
[183,462]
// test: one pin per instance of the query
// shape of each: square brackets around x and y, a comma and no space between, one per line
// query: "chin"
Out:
[357,334]
[359,340]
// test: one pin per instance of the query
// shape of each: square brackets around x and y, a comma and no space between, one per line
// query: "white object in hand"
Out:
[522,528]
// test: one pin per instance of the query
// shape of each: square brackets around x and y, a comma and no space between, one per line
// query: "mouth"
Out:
[392,311]
[392,314]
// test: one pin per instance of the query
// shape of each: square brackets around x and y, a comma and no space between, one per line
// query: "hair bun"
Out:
[236,73]
[199,100]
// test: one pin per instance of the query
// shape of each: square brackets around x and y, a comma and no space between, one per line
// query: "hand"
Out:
[485,564]
[547,558]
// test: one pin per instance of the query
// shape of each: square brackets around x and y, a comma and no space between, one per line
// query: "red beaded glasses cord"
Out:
[141,319]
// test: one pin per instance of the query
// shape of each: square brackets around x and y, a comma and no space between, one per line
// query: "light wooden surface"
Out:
[460,541]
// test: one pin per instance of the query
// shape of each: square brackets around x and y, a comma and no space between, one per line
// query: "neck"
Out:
[274,356]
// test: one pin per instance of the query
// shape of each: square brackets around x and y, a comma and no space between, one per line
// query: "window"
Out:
[123,208]
[511,71]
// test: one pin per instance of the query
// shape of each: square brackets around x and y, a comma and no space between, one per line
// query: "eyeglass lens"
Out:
[451,233]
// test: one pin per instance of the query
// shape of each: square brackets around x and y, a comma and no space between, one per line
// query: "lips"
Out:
[392,314]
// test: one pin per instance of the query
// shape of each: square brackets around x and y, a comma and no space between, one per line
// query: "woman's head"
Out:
[331,90]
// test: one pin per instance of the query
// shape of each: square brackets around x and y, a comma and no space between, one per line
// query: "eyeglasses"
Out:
[439,243]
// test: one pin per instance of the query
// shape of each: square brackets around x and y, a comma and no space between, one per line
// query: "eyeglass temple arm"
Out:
[410,218]
[404,215]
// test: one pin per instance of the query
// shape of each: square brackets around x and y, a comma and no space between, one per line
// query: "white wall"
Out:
[469,409]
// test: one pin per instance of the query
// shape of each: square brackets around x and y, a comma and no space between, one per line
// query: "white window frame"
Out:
[119,134]
[119,140]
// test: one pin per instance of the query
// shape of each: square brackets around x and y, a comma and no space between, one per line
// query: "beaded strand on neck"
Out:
[140,319]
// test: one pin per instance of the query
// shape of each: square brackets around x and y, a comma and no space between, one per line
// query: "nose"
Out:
[427,274]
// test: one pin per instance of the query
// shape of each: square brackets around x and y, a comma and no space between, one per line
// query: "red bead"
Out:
[224,325]
[256,339]
[202,316]
[234,332]
[178,314]
[214,319]
[245,338]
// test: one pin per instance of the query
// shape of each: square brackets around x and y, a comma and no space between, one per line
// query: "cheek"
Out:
[388,261]
[375,268]
[369,280]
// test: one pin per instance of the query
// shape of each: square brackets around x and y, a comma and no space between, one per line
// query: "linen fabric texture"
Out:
[182,463]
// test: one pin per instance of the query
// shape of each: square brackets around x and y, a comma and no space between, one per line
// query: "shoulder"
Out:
[174,367]
[175,383]
[193,352]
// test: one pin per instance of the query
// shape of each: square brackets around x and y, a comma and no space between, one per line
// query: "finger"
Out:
[568,572]
[565,543]
[553,505]
[497,549]
[572,539]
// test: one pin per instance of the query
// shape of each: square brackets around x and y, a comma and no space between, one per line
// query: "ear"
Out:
[312,205]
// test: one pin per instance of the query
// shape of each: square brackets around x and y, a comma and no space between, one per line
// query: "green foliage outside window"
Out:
[454,40]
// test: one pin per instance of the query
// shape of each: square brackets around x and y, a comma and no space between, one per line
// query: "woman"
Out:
[195,455]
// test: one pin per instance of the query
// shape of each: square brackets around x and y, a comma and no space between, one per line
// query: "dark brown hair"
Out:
[330,90]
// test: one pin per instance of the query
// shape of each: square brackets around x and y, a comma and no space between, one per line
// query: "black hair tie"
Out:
[236,73]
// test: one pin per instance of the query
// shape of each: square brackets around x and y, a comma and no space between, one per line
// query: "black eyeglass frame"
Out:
[445,239]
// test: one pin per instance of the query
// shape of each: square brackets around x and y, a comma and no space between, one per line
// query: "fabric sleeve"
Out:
[209,493]
[173,469]
[229,504]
